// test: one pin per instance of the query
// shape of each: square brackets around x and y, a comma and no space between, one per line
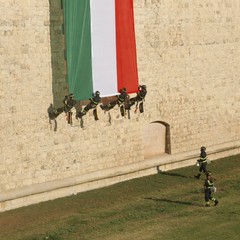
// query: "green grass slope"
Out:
[164,206]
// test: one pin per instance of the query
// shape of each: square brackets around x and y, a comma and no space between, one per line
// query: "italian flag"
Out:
[100,47]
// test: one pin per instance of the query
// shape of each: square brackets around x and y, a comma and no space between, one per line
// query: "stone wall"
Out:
[188,56]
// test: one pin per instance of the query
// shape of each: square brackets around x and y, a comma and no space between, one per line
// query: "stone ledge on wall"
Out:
[71,186]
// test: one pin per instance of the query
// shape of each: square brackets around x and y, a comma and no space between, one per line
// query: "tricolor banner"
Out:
[100,47]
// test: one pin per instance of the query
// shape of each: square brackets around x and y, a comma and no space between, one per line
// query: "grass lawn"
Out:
[165,206]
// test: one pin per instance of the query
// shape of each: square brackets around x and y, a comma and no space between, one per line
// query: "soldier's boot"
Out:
[216,202]
[198,176]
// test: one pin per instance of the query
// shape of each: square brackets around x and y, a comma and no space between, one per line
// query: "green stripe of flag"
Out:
[78,47]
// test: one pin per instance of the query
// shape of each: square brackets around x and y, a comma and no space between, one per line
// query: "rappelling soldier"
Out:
[142,91]
[68,104]
[119,101]
[94,101]
[202,161]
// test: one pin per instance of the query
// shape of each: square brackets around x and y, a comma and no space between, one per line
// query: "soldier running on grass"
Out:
[202,161]
[208,189]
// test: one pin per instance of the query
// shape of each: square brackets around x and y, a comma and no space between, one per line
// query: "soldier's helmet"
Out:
[97,93]
[143,86]
[208,173]
[203,148]
[123,90]
[71,95]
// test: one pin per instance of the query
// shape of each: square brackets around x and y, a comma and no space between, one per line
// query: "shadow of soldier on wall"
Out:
[57,44]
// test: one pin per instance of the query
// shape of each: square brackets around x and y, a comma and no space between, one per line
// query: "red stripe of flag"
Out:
[126,46]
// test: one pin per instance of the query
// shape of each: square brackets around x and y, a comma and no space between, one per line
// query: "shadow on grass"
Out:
[174,174]
[172,201]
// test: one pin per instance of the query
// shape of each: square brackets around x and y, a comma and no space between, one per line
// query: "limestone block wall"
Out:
[188,56]
[191,53]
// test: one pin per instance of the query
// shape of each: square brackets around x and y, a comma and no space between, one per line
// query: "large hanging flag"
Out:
[100,47]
